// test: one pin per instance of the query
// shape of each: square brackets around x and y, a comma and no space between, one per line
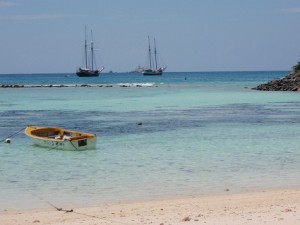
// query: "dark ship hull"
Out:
[87,73]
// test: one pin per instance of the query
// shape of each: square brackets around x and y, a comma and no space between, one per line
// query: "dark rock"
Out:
[291,82]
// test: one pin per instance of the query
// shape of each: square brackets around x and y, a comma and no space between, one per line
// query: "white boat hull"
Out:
[66,145]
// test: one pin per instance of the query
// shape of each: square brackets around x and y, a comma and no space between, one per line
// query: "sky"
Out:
[47,36]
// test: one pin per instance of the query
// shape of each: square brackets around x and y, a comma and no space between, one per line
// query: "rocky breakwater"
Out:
[290,82]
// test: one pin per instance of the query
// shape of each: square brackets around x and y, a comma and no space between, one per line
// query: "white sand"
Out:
[268,207]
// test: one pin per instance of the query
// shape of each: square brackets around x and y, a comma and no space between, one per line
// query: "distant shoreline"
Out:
[168,72]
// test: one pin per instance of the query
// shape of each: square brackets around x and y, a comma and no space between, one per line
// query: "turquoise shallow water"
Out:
[201,133]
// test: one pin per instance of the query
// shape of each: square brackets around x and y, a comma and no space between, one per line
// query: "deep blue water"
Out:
[168,78]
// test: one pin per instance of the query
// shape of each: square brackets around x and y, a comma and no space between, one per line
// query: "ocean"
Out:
[179,134]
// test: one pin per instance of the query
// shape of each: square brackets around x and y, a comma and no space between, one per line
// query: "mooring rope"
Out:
[42,199]
[12,135]
[51,204]
[73,144]
[39,197]
[71,210]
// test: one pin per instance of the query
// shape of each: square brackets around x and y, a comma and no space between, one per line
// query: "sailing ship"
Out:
[89,69]
[153,68]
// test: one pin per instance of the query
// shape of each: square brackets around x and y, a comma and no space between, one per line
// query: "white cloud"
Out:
[4,4]
[291,10]
[35,17]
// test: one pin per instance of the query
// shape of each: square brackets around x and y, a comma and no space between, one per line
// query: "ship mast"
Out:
[92,50]
[85,50]
[150,53]
[155,54]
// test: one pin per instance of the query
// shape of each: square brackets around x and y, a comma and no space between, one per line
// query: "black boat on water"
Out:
[89,69]
[153,68]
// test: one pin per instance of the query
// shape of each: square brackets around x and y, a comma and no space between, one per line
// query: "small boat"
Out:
[153,69]
[58,138]
[89,69]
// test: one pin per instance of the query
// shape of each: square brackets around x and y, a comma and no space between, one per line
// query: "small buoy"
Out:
[7,141]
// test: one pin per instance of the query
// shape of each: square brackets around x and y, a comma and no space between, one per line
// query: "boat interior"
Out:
[57,133]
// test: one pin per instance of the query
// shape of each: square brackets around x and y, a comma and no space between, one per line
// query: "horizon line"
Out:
[208,71]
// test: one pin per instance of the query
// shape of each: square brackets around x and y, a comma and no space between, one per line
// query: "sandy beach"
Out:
[265,207]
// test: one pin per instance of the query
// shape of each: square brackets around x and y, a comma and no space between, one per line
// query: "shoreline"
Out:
[263,207]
